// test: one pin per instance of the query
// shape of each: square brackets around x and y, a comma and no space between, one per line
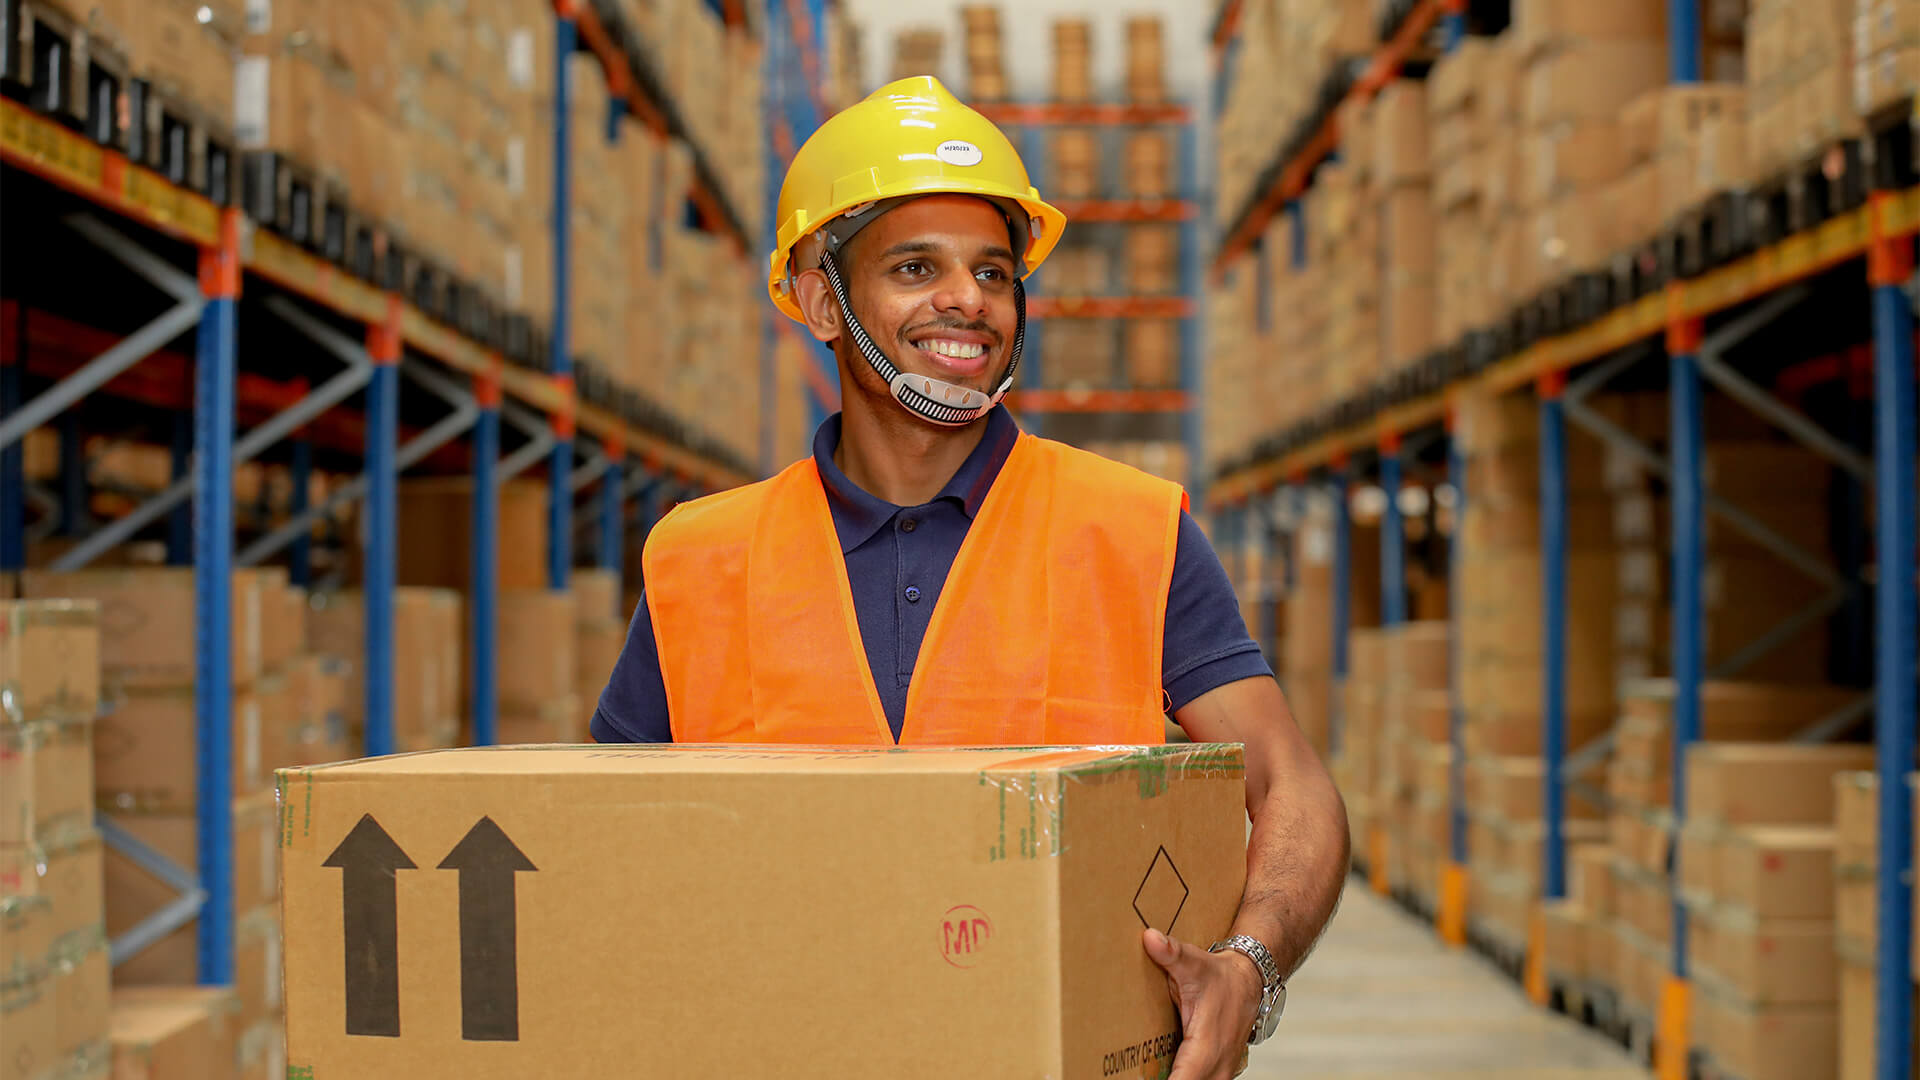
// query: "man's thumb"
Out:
[1162,949]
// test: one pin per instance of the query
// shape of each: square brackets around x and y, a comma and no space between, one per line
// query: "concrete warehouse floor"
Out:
[1383,999]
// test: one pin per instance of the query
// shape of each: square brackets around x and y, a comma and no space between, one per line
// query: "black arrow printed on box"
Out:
[368,860]
[489,979]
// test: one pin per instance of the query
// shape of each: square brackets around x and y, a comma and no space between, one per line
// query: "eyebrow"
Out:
[928,247]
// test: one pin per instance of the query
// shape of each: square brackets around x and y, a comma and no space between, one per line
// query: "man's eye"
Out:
[915,268]
[991,273]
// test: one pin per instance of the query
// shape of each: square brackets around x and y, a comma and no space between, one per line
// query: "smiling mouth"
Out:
[948,349]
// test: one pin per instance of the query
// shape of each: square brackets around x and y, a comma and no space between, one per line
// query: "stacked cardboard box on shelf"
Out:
[1415,713]
[1639,785]
[1500,647]
[428,636]
[1474,105]
[600,632]
[1345,241]
[54,971]
[1584,64]
[1073,60]
[1682,144]
[1757,874]
[1306,647]
[1800,80]
[918,51]
[1856,861]
[172,1033]
[1402,187]
[986,55]
[1886,54]
[1233,340]
[1146,79]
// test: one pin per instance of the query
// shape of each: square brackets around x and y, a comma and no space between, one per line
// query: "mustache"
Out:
[975,327]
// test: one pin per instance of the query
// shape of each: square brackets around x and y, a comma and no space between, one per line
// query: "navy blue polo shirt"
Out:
[897,562]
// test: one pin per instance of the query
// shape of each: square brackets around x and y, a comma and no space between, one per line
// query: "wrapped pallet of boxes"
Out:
[1415,710]
[1402,183]
[537,685]
[1856,818]
[986,55]
[1306,663]
[1759,867]
[954,902]
[53,943]
[427,639]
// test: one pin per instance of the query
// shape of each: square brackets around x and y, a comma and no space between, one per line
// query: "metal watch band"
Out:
[1273,991]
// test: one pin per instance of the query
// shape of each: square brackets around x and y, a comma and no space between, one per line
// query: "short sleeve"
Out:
[1206,640]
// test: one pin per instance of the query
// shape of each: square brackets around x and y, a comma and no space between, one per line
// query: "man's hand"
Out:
[1217,995]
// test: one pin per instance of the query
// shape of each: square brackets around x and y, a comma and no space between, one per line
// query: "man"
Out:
[933,575]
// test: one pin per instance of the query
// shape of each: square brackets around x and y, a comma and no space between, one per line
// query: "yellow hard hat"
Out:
[910,137]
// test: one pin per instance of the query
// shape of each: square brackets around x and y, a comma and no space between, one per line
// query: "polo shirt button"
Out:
[908,524]
[913,594]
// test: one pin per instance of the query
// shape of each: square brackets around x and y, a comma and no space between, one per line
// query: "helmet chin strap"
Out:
[933,400]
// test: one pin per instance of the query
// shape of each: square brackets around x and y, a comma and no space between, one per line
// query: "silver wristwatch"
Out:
[1273,991]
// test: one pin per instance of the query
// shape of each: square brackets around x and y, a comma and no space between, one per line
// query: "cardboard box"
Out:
[28,1026]
[1573,157]
[70,878]
[1787,962]
[132,894]
[1542,25]
[147,620]
[952,903]
[536,652]
[1592,79]
[435,531]
[1886,78]
[202,1023]
[257,982]
[145,750]
[1858,1025]
[1789,1042]
[1778,872]
[49,658]
[172,1033]
[81,981]
[1399,135]
[1767,784]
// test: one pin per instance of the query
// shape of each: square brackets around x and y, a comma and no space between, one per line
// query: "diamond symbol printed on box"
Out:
[1162,894]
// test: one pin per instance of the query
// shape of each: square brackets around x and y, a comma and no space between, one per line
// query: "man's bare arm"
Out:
[1297,856]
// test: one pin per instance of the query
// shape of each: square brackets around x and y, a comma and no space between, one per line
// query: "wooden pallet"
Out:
[179,140]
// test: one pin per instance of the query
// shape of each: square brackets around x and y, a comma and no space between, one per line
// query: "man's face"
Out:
[932,281]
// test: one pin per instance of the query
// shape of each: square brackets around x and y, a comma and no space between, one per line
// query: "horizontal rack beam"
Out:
[1111,307]
[105,177]
[1797,257]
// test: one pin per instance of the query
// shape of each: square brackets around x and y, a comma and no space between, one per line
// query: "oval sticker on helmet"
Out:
[958,152]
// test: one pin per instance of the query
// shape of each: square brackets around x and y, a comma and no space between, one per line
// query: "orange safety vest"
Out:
[1048,632]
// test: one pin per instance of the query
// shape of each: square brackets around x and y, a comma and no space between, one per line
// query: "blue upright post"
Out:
[180,518]
[73,477]
[1688,496]
[300,555]
[1452,915]
[1342,539]
[383,421]
[13,462]
[483,627]
[1553,591]
[1683,40]
[1193,370]
[612,520]
[1393,541]
[214,379]
[1896,641]
[560,486]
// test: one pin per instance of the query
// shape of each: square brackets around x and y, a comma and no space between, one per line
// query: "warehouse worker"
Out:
[932,575]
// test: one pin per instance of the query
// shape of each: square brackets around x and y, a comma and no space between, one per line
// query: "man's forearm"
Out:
[1296,864]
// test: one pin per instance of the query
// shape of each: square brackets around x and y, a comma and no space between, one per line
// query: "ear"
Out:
[818,305]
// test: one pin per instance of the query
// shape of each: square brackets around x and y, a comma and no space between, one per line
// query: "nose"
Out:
[960,293]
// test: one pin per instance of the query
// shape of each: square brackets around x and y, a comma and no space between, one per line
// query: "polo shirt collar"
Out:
[858,514]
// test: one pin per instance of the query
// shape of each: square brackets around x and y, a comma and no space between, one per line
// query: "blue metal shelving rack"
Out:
[307,297]
[1698,318]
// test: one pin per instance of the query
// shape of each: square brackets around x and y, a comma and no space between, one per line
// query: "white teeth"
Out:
[954,349]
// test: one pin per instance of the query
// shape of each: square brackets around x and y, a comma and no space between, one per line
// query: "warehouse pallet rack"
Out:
[1027,124]
[166,219]
[1776,260]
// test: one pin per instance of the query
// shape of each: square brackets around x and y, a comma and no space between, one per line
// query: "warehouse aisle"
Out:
[1382,999]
